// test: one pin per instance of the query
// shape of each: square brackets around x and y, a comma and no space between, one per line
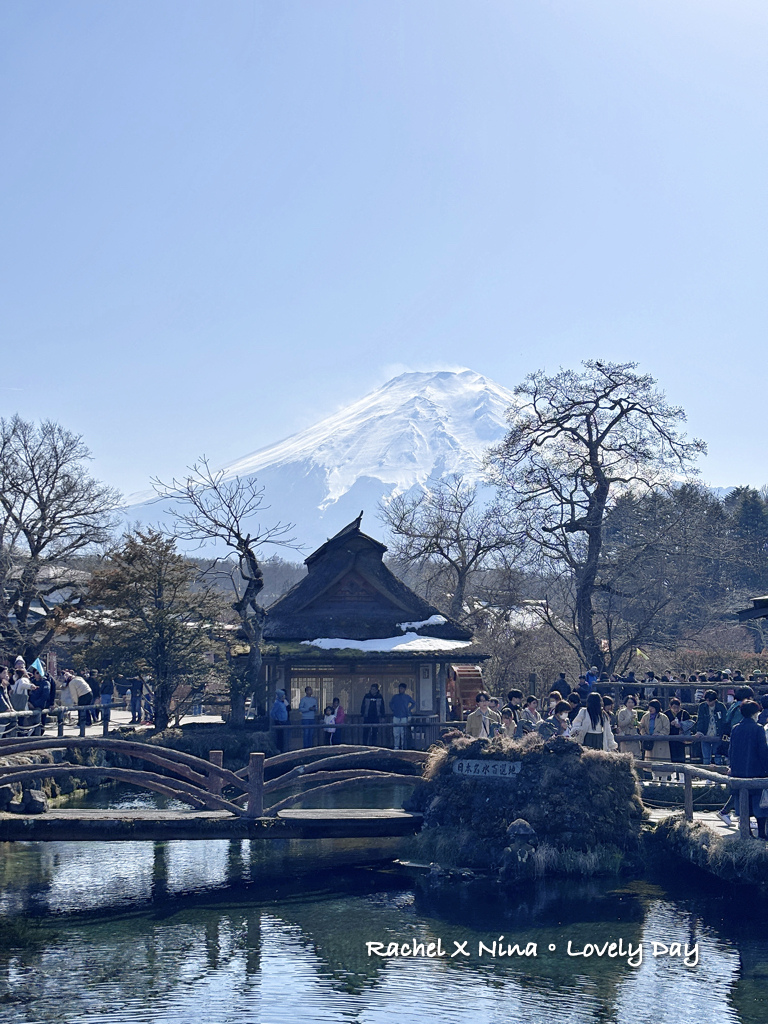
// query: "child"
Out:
[329,725]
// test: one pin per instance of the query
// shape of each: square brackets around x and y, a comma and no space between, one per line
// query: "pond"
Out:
[223,932]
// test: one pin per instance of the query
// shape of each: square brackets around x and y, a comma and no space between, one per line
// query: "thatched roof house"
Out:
[351,622]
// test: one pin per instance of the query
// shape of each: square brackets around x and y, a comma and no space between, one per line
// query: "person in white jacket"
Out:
[592,726]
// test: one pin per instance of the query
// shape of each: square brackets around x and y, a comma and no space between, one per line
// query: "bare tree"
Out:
[448,532]
[211,508]
[577,442]
[51,511]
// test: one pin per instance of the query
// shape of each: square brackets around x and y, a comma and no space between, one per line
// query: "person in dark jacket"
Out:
[710,727]
[748,754]
[677,714]
[575,701]
[38,698]
[372,711]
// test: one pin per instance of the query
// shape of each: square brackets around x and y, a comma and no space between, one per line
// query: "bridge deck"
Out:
[709,818]
[65,824]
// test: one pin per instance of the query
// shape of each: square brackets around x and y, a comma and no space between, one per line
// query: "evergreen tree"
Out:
[151,616]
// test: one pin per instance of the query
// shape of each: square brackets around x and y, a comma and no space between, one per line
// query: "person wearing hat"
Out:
[279,716]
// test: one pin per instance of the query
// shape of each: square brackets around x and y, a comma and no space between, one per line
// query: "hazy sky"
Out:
[221,221]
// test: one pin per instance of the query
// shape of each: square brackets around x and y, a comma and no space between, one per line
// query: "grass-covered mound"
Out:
[727,856]
[584,805]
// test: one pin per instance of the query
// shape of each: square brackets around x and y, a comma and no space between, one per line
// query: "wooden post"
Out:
[105,720]
[255,807]
[60,727]
[82,719]
[214,782]
[688,795]
[744,830]
[440,692]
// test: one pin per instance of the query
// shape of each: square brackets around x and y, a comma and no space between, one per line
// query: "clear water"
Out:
[223,932]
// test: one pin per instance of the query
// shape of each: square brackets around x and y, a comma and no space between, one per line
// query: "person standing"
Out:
[710,727]
[515,704]
[329,725]
[482,723]
[372,711]
[530,712]
[340,714]
[592,726]
[80,693]
[308,712]
[627,725]
[5,700]
[20,689]
[677,714]
[655,723]
[136,685]
[400,706]
[748,756]
[107,690]
[279,716]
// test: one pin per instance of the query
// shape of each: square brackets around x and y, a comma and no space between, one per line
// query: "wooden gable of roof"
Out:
[349,593]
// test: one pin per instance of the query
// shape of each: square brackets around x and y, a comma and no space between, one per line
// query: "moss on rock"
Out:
[577,801]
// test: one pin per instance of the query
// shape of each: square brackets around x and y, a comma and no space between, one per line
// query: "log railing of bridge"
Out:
[692,771]
[201,783]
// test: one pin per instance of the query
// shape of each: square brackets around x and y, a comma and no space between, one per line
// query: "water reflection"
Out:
[251,932]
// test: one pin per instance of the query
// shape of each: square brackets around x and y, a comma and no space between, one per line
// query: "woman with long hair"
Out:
[592,726]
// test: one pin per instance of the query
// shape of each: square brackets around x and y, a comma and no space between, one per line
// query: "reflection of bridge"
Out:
[225,804]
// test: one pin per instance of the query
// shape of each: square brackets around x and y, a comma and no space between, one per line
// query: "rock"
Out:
[35,802]
[6,795]
[521,832]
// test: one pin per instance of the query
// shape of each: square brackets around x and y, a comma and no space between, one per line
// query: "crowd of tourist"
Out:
[717,732]
[373,713]
[25,689]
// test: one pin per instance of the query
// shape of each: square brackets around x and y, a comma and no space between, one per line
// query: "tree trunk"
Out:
[162,700]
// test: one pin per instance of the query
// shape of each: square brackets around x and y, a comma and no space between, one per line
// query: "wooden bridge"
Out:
[223,804]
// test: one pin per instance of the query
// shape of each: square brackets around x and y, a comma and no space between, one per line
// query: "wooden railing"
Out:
[691,772]
[198,782]
[201,783]
[35,721]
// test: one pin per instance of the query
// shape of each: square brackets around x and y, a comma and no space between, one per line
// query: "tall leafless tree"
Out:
[577,442]
[51,510]
[208,508]
[449,532]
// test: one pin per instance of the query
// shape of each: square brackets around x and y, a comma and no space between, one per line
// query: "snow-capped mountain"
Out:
[412,431]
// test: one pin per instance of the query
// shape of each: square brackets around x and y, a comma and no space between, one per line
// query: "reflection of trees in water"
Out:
[125,964]
[279,944]
[26,869]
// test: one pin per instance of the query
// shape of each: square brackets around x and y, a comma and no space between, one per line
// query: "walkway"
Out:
[61,824]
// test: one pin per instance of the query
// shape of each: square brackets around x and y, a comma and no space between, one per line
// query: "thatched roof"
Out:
[349,592]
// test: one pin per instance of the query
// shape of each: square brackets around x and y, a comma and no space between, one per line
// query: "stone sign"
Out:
[487,769]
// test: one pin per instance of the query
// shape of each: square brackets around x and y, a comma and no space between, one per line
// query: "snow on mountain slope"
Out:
[415,429]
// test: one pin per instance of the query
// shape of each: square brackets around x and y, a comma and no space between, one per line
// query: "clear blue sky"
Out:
[221,221]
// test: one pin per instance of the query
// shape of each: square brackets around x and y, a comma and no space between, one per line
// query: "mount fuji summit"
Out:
[403,437]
